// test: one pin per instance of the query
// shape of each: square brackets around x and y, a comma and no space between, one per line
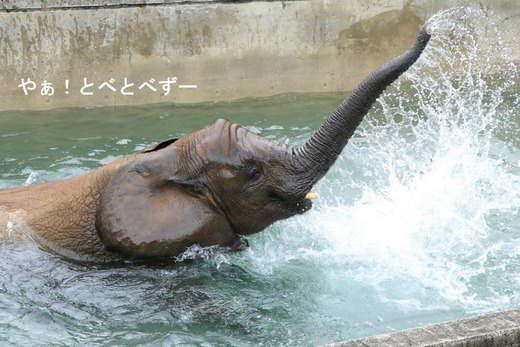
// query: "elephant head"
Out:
[219,182]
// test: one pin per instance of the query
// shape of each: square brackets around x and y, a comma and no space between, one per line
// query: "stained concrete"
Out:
[492,330]
[227,49]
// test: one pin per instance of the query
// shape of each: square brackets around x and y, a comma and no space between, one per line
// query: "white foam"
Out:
[438,191]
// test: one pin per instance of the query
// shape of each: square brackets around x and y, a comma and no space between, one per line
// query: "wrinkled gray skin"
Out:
[206,188]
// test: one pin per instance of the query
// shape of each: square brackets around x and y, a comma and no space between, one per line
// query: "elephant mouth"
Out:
[304,206]
[279,208]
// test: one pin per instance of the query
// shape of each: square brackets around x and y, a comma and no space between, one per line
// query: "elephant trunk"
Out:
[318,154]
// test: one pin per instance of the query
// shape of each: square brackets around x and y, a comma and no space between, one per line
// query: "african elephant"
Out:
[206,188]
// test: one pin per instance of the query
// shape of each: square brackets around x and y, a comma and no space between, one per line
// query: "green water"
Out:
[67,142]
[416,223]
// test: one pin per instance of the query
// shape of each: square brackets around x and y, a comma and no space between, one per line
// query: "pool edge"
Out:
[495,329]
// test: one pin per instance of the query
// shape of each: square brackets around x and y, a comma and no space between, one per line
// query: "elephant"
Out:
[212,186]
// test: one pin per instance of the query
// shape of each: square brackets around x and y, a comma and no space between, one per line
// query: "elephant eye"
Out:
[255,175]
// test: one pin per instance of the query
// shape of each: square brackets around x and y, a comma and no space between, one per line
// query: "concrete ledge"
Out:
[497,329]
[48,5]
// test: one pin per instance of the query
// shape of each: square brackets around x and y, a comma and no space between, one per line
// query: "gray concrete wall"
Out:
[227,49]
[492,330]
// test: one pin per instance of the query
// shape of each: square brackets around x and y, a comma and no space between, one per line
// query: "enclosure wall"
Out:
[99,53]
[491,330]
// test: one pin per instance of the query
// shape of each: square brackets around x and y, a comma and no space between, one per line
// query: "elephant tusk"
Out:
[311,195]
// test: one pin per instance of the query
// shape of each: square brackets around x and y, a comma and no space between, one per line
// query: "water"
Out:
[416,223]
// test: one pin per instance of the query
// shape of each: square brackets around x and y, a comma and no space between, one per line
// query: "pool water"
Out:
[416,223]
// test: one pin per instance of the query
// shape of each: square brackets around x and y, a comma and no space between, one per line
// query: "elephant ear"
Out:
[149,209]
[158,146]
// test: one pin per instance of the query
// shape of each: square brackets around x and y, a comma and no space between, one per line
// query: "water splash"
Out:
[433,221]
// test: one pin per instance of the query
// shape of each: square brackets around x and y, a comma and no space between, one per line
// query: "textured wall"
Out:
[227,49]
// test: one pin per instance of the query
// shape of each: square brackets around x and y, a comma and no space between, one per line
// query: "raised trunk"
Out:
[317,155]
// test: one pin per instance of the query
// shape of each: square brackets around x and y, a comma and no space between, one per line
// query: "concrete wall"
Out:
[493,330]
[227,49]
